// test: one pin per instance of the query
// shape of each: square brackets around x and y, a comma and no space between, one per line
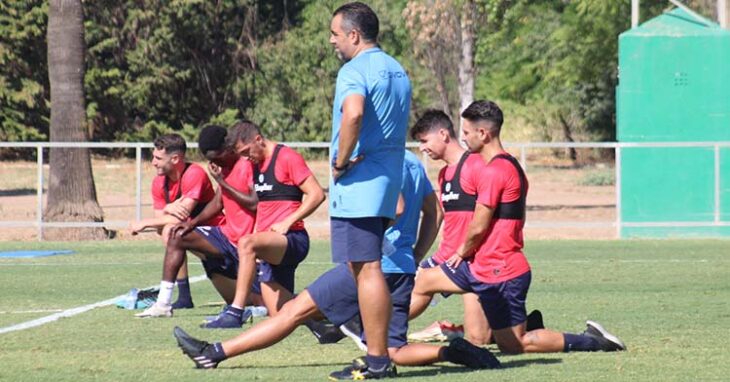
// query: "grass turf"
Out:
[668,300]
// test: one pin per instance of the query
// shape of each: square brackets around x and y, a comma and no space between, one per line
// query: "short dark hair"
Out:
[484,110]
[433,120]
[357,15]
[171,143]
[243,131]
[212,137]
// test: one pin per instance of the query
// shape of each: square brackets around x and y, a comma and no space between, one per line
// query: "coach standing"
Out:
[369,123]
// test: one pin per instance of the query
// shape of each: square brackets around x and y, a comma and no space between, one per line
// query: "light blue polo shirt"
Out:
[370,188]
[400,238]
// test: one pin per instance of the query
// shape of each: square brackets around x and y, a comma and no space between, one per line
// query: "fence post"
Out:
[138,191]
[617,183]
[39,192]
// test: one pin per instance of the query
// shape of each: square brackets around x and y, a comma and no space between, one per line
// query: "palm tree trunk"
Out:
[71,190]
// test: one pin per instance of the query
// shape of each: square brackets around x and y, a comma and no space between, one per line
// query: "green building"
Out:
[674,97]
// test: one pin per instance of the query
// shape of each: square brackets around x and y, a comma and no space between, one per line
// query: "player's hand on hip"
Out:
[454,261]
[281,227]
[337,172]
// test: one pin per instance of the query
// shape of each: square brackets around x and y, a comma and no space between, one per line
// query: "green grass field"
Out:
[668,300]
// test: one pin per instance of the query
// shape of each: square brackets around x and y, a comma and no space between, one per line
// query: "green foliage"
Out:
[158,65]
[23,73]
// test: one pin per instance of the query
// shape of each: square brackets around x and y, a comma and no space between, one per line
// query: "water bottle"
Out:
[257,311]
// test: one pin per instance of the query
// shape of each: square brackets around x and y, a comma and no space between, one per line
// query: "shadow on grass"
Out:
[526,362]
[404,371]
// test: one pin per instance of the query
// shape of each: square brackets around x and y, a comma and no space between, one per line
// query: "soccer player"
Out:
[216,245]
[490,261]
[335,295]
[457,180]
[369,123]
[287,193]
[179,191]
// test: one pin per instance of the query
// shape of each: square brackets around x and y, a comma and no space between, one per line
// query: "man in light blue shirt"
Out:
[369,124]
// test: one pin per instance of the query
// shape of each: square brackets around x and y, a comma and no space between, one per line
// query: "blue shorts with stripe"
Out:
[503,303]
[335,294]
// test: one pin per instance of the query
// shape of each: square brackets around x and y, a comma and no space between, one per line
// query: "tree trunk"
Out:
[466,64]
[568,135]
[71,190]
[467,35]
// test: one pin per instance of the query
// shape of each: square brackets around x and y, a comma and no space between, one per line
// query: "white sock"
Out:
[165,296]
[237,307]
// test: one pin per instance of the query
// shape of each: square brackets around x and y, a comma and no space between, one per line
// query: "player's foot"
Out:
[606,340]
[462,352]
[183,304]
[325,334]
[157,309]
[198,351]
[228,319]
[534,321]
[359,370]
[353,329]
[439,331]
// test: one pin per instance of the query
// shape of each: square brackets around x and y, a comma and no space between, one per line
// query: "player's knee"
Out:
[511,348]
[478,339]
[246,246]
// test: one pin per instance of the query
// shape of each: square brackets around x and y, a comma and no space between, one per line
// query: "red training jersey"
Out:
[499,258]
[195,185]
[291,170]
[456,222]
[239,220]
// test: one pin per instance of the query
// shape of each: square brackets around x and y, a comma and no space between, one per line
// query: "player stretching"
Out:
[490,261]
[335,295]
[287,192]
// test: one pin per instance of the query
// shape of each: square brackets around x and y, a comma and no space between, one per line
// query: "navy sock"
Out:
[183,290]
[377,363]
[579,342]
[236,312]
[215,352]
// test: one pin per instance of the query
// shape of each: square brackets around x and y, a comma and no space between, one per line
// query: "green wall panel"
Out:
[667,184]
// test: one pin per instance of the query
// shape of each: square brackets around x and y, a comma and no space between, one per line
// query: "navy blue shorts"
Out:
[503,303]
[431,263]
[335,294]
[297,249]
[227,265]
[357,239]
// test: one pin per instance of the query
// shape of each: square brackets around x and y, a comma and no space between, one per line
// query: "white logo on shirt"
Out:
[261,178]
[449,197]
[448,187]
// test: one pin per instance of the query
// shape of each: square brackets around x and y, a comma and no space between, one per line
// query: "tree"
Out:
[23,74]
[71,190]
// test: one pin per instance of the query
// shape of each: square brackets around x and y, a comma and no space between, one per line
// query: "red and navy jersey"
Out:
[458,184]
[504,189]
[277,180]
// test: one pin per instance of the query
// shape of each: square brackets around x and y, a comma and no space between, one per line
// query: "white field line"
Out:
[72,312]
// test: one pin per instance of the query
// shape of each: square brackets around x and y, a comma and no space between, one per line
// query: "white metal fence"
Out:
[522,147]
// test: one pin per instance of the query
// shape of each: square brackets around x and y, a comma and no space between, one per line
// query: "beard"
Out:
[341,56]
